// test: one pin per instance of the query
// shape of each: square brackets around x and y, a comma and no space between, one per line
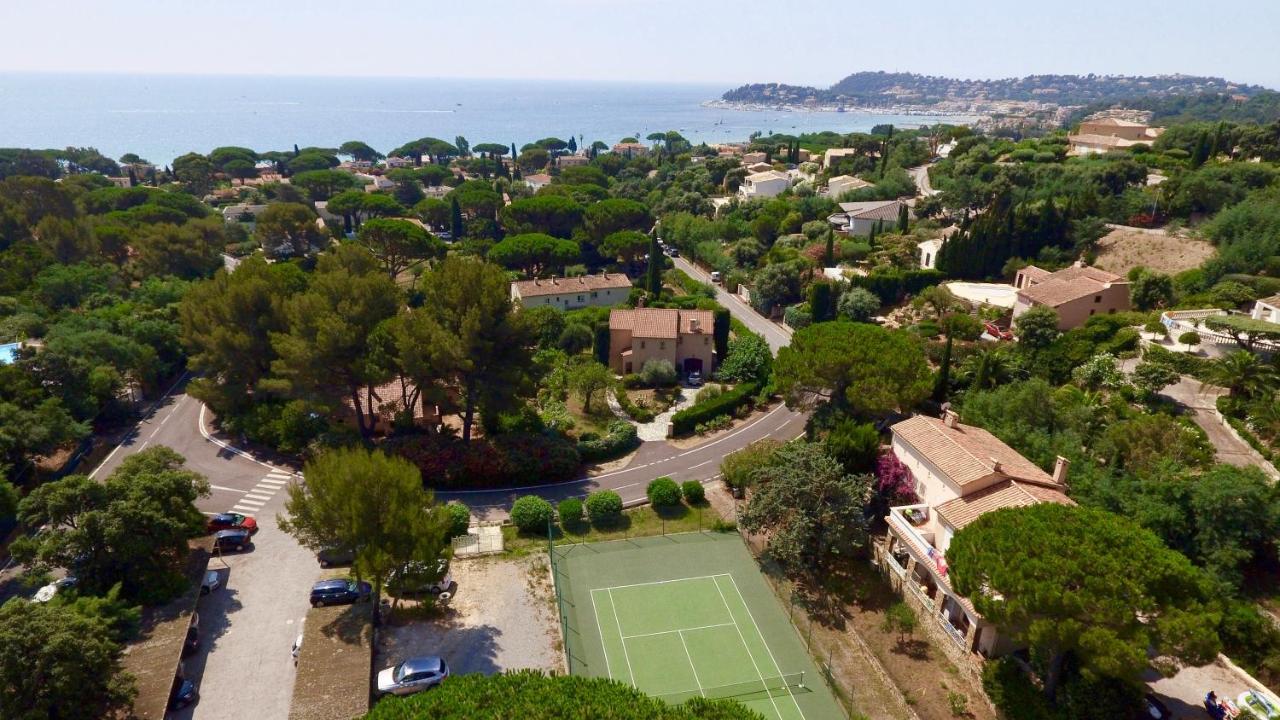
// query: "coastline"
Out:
[923,110]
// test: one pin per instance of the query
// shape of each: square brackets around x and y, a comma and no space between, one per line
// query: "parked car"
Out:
[329,557]
[413,675]
[184,693]
[297,648]
[673,251]
[339,592]
[419,578]
[192,643]
[694,379]
[232,521]
[1154,708]
[47,593]
[994,331]
[715,276]
[236,540]
[210,582]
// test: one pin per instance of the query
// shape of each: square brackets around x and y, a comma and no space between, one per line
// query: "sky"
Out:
[804,42]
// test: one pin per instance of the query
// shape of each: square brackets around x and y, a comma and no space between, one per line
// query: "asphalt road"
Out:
[249,624]
[921,177]
[776,334]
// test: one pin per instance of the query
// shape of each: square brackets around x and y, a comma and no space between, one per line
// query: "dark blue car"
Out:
[339,592]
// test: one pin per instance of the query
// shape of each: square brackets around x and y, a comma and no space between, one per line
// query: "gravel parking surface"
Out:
[502,617]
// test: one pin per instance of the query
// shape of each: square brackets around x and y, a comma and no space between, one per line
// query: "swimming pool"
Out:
[9,353]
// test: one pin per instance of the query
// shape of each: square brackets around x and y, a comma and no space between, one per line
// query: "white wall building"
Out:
[766,184]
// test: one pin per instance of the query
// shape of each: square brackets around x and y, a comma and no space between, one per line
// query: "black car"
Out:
[192,643]
[339,592]
[183,693]
[331,556]
[236,539]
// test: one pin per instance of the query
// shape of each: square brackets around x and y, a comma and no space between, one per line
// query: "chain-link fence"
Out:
[839,656]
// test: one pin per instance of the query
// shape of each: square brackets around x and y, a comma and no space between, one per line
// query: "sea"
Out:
[160,117]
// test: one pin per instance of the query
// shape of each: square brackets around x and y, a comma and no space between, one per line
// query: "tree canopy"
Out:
[131,529]
[865,368]
[1084,583]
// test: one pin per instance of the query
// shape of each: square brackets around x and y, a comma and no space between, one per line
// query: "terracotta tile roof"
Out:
[693,322]
[1034,274]
[1010,493]
[964,453]
[1272,300]
[768,175]
[1069,284]
[646,322]
[541,178]
[558,286]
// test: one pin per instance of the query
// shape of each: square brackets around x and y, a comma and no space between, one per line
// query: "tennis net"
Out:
[762,687]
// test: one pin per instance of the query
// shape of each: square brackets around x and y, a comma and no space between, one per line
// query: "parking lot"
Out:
[501,617]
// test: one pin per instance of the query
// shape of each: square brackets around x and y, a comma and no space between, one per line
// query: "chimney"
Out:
[693,325]
[995,465]
[1060,467]
[950,418]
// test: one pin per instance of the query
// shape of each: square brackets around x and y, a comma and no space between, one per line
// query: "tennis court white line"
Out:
[678,630]
[747,647]
[658,582]
[692,667]
[625,654]
[767,649]
[596,611]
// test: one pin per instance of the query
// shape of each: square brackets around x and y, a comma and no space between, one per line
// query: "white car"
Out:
[413,675]
[46,593]
[297,648]
[210,582]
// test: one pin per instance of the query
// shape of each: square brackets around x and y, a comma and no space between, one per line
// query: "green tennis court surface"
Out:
[686,616]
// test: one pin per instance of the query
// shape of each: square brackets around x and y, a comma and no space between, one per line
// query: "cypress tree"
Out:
[455,219]
[831,249]
[720,331]
[513,152]
[903,219]
[944,372]
[653,282]
[600,344]
[820,301]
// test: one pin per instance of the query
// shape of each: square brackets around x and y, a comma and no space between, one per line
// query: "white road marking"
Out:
[256,504]
[244,508]
[695,467]
[151,409]
[272,481]
[257,496]
[268,489]
[227,489]
[279,475]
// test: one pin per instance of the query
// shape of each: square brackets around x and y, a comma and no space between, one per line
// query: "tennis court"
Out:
[684,616]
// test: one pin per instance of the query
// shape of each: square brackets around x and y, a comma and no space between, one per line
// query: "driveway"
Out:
[775,334]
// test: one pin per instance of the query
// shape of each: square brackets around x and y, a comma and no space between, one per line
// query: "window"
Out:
[662,345]
[579,298]
[706,340]
[1097,298]
[1092,311]
[641,344]
[595,294]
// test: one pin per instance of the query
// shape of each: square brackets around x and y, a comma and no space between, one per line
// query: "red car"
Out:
[994,331]
[232,521]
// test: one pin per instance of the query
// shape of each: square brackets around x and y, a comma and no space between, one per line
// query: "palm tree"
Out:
[1243,375]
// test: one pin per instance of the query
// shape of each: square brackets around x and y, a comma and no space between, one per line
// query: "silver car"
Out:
[413,675]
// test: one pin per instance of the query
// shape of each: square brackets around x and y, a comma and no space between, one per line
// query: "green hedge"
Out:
[604,506]
[891,286]
[693,492]
[1197,367]
[531,514]
[663,492]
[685,421]
[622,439]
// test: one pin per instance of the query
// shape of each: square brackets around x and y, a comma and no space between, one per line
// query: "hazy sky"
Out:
[803,42]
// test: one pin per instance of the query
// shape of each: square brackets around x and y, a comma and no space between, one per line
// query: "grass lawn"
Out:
[656,399]
[597,421]
[637,522]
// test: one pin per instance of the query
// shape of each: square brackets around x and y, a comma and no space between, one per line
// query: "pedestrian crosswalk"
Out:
[271,483]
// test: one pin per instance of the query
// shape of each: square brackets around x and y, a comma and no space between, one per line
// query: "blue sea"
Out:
[160,117]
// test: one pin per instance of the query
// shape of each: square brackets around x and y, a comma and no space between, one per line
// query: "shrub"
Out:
[798,316]
[531,514]
[460,515]
[658,373]
[719,422]
[1190,337]
[690,418]
[710,392]
[693,492]
[604,506]
[636,412]
[855,446]
[632,381]
[663,492]
[622,439]
[500,461]
[570,510]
